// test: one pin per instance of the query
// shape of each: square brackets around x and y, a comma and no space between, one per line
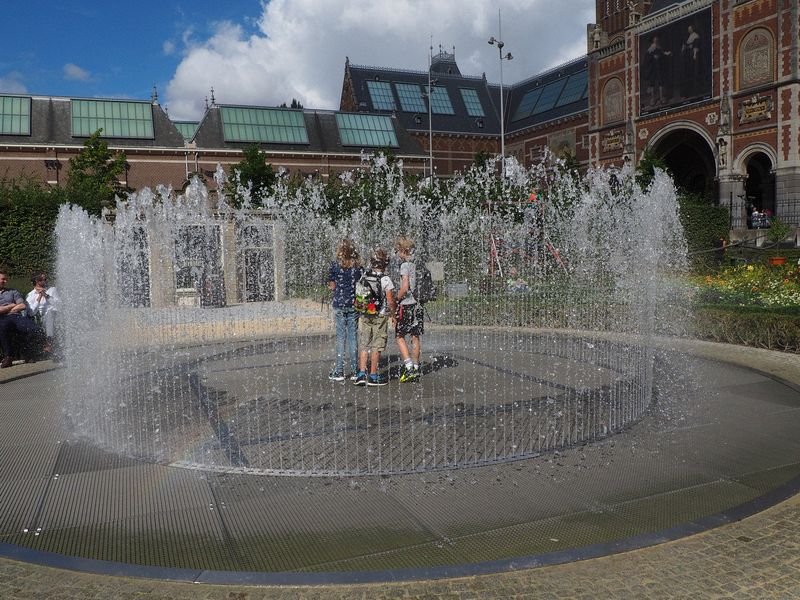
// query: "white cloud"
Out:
[75,73]
[12,83]
[300,46]
[168,47]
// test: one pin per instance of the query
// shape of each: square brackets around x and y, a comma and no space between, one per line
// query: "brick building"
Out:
[39,134]
[711,86]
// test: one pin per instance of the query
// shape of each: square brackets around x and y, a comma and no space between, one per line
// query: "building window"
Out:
[410,95]
[756,62]
[15,115]
[440,102]
[381,94]
[366,130]
[613,102]
[116,119]
[472,102]
[264,125]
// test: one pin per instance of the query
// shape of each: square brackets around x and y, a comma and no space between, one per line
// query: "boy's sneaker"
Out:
[336,376]
[408,374]
[361,378]
[375,380]
[354,376]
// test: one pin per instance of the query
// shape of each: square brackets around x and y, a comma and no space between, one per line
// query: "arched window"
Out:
[613,101]
[756,59]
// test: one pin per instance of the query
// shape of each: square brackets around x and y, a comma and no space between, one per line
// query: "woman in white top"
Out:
[43,306]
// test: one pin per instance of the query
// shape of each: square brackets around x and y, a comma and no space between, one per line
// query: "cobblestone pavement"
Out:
[758,557]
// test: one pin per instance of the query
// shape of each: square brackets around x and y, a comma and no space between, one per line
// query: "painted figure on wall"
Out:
[692,60]
[656,69]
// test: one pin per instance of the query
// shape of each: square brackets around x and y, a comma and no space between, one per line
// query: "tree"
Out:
[28,211]
[253,171]
[94,174]
[294,104]
[646,169]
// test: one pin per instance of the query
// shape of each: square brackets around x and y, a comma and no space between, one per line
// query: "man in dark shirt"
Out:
[13,320]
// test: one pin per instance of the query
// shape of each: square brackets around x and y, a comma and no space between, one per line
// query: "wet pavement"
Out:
[755,557]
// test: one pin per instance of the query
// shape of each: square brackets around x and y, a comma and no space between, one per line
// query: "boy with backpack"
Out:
[416,287]
[374,302]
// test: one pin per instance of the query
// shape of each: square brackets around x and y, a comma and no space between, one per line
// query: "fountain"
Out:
[197,337]
[193,433]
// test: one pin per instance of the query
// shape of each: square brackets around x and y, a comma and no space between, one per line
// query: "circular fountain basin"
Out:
[699,456]
[486,395]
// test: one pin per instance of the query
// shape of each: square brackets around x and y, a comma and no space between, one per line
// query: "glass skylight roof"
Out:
[268,125]
[116,119]
[549,96]
[381,94]
[575,88]
[15,115]
[440,102]
[410,95]
[472,102]
[526,104]
[187,128]
[366,130]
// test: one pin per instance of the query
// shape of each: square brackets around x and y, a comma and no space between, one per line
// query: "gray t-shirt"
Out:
[410,269]
[9,296]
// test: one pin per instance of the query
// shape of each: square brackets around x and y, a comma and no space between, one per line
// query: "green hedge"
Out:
[704,224]
[774,329]
[28,212]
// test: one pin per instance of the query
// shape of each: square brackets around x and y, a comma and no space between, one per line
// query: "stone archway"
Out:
[690,159]
[760,183]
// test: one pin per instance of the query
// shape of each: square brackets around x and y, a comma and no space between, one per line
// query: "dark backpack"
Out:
[369,294]
[425,290]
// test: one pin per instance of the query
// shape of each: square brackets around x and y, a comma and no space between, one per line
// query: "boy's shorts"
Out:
[372,333]
[410,320]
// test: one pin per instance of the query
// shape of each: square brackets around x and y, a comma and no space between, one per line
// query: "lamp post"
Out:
[493,41]
[429,94]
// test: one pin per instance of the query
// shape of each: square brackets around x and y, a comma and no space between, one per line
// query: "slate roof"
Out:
[453,82]
[51,124]
[448,76]
[321,126]
[575,70]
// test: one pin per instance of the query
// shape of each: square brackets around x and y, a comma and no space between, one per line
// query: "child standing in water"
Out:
[409,315]
[376,297]
[342,277]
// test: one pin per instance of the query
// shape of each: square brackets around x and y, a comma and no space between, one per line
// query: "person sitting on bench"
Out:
[14,320]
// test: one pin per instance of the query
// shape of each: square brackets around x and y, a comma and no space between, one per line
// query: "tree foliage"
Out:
[28,212]
[704,224]
[94,175]
[295,104]
[252,173]
[646,169]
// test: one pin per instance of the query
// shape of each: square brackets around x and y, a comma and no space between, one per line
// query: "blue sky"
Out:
[265,53]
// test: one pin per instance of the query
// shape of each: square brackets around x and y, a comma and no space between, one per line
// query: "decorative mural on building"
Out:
[675,63]
[613,101]
[756,59]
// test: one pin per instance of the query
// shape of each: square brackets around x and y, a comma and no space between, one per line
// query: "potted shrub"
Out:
[776,234]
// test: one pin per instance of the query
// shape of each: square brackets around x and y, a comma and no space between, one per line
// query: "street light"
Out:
[429,94]
[493,41]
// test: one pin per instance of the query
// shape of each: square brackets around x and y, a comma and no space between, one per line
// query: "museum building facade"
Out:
[710,86]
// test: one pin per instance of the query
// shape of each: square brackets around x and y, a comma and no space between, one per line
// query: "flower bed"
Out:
[752,305]
[750,285]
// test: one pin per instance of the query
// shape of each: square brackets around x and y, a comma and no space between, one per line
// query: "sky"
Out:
[264,53]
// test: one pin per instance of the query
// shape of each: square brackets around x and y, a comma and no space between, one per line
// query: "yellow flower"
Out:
[749,267]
